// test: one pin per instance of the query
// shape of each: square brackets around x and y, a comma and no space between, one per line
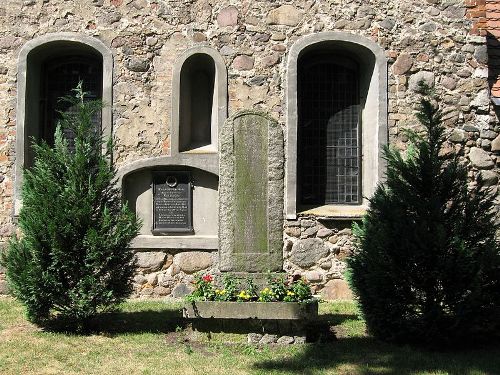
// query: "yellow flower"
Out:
[244,295]
[290,293]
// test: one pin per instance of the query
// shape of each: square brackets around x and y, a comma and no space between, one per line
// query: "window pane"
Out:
[328,143]
[61,76]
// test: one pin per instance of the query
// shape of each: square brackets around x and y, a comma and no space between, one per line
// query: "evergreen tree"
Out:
[73,257]
[427,264]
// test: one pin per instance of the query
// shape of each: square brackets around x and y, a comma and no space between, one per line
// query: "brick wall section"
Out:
[485,17]
[492,10]
[476,11]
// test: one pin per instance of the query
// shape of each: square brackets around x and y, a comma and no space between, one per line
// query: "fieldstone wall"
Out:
[317,250]
[434,40]
[162,274]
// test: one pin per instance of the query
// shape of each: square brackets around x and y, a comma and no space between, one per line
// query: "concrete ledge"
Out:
[337,212]
[175,242]
[251,310]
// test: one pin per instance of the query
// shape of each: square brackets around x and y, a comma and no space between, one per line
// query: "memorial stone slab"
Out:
[251,194]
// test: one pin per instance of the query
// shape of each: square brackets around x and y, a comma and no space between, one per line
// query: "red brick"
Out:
[495,89]
[493,7]
[495,33]
[476,13]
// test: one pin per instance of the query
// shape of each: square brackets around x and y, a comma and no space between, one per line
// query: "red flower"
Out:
[207,278]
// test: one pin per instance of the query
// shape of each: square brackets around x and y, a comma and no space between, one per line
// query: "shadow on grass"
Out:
[336,319]
[165,320]
[122,322]
[316,330]
[365,355]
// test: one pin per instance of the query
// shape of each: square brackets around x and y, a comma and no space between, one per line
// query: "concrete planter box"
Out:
[251,310]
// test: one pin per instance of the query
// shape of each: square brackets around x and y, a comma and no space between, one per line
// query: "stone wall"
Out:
[162,274]
[317,250]
[434,40]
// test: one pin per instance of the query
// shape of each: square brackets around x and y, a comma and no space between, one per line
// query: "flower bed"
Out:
[229,288]
[232,298]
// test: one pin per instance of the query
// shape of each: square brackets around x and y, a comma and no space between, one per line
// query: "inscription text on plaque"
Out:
[172,202]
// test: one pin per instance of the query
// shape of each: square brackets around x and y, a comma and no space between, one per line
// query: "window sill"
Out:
[336,212]
[209,149]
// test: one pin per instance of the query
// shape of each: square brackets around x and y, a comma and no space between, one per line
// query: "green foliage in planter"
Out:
[73,257]
[230,288]
[204,289]
[298,291]
[427,264]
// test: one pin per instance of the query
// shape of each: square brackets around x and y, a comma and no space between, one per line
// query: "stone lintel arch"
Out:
[32,53]
[374,119]
[208,163]
[219,102]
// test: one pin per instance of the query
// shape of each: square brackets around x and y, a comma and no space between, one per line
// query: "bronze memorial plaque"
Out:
[172,202]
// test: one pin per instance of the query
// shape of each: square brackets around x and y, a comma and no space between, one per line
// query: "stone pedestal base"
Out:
[272,318]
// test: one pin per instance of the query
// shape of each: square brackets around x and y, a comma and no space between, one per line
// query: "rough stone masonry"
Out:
[438,41]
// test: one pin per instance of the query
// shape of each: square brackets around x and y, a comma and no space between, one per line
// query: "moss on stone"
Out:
[251,185]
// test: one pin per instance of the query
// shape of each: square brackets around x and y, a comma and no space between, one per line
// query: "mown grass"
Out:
[148,338]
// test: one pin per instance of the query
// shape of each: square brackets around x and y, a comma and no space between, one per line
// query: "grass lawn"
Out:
[146,338]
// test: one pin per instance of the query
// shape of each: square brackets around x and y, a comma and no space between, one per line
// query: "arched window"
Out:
[328,149]
[337,124]
[49,67]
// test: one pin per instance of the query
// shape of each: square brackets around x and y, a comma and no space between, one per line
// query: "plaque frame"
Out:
[166,178]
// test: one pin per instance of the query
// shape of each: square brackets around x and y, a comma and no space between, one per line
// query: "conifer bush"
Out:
[73,257]
[427,264]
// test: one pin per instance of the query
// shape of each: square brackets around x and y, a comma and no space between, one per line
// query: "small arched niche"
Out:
[197,107]
[200,106]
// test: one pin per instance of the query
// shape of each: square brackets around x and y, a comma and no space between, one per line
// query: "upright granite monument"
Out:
[251,194]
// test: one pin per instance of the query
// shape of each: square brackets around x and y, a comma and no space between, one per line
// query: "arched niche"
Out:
[137,181]
[370,63]
[199,101]
[36,63]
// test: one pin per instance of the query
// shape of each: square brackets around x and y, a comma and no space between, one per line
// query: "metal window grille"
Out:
[329,133]
[62,75]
